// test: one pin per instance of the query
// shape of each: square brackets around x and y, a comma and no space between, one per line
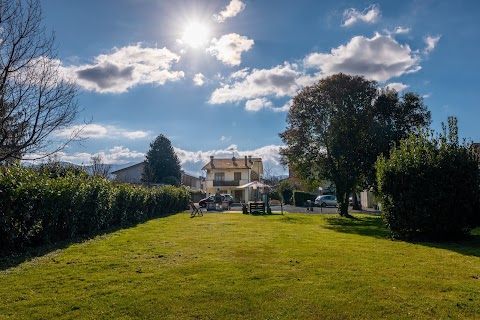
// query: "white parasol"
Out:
[254,184]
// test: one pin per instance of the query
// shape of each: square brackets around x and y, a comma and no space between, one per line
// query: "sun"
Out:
[196,35]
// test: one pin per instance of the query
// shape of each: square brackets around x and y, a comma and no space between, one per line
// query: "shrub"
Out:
[300,198]
[429,187]
[38,207]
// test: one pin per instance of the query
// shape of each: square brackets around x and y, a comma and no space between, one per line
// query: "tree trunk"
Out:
[356,204]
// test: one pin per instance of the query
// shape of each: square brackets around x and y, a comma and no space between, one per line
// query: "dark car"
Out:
[211,199]
[203,202]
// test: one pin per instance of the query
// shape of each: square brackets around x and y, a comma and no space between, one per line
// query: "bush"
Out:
[429,187]
[300,198]
[38,207]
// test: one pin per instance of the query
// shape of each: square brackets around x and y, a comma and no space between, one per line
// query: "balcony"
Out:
[218,183]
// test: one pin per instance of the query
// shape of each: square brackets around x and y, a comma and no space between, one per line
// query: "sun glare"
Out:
[196,35]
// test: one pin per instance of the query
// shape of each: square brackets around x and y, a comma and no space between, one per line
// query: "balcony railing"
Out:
[218,183]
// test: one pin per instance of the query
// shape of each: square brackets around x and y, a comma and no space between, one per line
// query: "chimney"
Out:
[211,161]
[250,159]
[246,164]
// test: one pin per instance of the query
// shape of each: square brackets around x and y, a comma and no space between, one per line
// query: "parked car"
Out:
[228,197]
[225,197]
[204,201]
[324,201]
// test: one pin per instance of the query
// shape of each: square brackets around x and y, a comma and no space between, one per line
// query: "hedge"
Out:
[300,198]
[38,209]
[429,187]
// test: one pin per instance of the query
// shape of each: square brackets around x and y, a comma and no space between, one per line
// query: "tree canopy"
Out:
[162,164]
[338,126]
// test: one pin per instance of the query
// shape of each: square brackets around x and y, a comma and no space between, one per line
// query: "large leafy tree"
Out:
[338,126]
[161,164]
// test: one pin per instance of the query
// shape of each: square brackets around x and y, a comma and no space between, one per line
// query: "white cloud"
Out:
[97,131]
[369,15]
[280,81]
[229,48]
[232,9]
[257,104]
[240,74]
[223,138]
[398,86]
[285,107]
[431,42]
[379,58]
[199,79]
[115,155]
[127,67]
[401,30]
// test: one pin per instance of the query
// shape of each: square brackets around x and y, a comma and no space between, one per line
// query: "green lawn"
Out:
[235,266]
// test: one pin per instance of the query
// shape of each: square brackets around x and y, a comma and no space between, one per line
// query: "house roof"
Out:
[128,168]
[230,163]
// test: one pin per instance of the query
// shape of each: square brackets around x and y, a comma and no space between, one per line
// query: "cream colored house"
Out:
[230,173]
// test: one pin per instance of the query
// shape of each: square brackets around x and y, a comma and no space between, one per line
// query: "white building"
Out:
[230,173]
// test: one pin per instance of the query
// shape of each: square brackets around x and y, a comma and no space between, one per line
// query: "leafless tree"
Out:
[99,168]
[36,98]
[270,175]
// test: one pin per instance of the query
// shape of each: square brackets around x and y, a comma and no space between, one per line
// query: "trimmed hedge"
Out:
[37,209]
[300,198]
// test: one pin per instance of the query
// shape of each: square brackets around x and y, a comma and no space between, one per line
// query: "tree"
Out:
[162,164]
[36,99]
[338,126]
[98,167]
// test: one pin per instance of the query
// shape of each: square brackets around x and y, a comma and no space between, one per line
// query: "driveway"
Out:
[316,210]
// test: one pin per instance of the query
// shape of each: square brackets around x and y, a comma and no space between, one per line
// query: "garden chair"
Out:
[195,210]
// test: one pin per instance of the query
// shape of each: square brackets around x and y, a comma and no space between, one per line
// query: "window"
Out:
[219,176]
[237,176]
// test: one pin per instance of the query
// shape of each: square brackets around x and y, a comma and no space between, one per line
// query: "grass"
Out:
[235,266]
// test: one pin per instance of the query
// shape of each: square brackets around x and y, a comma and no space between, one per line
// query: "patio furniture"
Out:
[256,206]
[195,210]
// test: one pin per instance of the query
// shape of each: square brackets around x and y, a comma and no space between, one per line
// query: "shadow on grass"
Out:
[9,260]
[365,226]
[375,227]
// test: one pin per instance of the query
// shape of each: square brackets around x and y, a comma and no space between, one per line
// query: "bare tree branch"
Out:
[36,98]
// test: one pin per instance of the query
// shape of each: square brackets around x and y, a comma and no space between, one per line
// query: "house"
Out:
[133,175]
[192,181]
[230,173]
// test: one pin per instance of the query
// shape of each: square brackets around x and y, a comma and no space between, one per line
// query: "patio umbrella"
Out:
[253,184]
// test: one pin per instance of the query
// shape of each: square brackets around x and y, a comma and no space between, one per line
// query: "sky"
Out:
[217,77]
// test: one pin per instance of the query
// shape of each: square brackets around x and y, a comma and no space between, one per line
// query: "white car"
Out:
[324,201]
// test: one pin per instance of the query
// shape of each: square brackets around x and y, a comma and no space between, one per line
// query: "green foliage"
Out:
[300,198]
[338,126]
[275,195]
[162,164]
[429,186]
[285,188]
[54,169]
[45,206]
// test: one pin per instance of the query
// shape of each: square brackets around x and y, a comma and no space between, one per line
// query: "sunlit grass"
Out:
[235,266]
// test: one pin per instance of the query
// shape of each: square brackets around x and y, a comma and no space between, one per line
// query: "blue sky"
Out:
[217,76]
